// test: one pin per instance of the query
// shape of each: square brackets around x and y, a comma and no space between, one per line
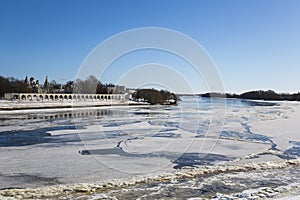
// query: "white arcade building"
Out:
[34,97]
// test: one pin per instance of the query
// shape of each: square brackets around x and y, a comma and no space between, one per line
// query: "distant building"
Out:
[36,86]
[26,81]
[110,89]
[46,85]
[118,89]
[129,93]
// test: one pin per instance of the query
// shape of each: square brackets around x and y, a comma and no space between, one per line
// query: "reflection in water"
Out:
[59,115]
[77,114]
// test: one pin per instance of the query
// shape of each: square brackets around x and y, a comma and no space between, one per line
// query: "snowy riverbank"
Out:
[16,105]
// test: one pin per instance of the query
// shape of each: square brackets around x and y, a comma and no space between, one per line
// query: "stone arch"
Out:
[46,97]
[16,96]
[23,97]
[56,97]
[41,98]
[34,97]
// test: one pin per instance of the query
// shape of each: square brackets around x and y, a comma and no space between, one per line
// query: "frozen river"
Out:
[52,148]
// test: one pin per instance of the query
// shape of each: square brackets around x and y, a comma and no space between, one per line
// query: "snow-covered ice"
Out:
[52,147]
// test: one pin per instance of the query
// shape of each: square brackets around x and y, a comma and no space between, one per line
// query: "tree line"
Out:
[90,85]
[268,95]
[153,96]
[10,85]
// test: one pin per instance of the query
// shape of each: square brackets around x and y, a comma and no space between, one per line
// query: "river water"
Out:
[90,145]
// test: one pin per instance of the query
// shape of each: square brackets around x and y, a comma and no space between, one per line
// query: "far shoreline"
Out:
[11,107]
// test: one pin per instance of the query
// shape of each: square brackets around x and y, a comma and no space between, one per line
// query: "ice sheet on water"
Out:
[167,135]
[147,140]
[194,159]
[295,148]
[245,136]
[32,137]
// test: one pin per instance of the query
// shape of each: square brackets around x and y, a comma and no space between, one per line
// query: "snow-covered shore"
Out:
[19,107]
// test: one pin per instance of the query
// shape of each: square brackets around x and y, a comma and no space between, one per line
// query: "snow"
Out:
[15,107]
[129,142]
[283,129]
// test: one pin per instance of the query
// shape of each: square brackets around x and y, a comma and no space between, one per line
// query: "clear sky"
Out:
[254,43]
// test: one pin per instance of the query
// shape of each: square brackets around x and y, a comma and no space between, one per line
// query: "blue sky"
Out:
[254,43]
